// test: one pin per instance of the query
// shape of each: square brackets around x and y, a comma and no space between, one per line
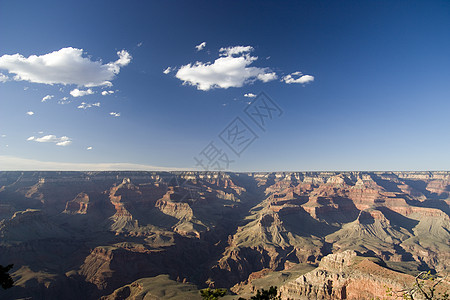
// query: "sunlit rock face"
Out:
[86,234]
[346,275]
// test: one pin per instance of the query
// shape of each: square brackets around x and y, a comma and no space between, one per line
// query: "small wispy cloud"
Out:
[105,93]
[85,105]
[30,113]
[81,93]
[266,77]
[48,97]
[168,70]
[3,77]
[140,44]
[200,46]
[235,50]
[89,148]
[250,95]
[297,77]
[115,114]
[64,100]
[59,141]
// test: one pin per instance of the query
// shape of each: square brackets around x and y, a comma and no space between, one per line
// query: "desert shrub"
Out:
[212,294]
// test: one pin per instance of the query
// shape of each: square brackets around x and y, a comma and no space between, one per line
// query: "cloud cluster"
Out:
[65,66]
[85,105]
[115,114]
[250,95]
[104,93]
[62,141]
[231,69]
[297,77]
[48,97]
[200,46]
[81,93]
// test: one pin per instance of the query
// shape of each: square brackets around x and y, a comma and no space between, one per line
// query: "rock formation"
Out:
[346,275]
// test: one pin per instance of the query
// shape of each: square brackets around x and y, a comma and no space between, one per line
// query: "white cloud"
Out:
[48,97]
[13,163]
[65,66]
[3,135]
[230,51]
[124,59]
[168,70]
[231,69]
[266,77]
[114,114]
[30,113]
[89,148]
[104,93]
[200,46]
[62,141]
[300,78]
[250,95]
[81,93]
[140,44]
[3,77]
[85,105]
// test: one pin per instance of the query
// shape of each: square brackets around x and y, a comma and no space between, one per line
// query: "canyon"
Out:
[324,235]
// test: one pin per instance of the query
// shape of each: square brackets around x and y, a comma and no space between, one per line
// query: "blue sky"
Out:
[362,85]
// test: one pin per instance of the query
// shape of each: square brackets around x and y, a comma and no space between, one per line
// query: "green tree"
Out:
[212,294]
[5,279]
[270,294]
